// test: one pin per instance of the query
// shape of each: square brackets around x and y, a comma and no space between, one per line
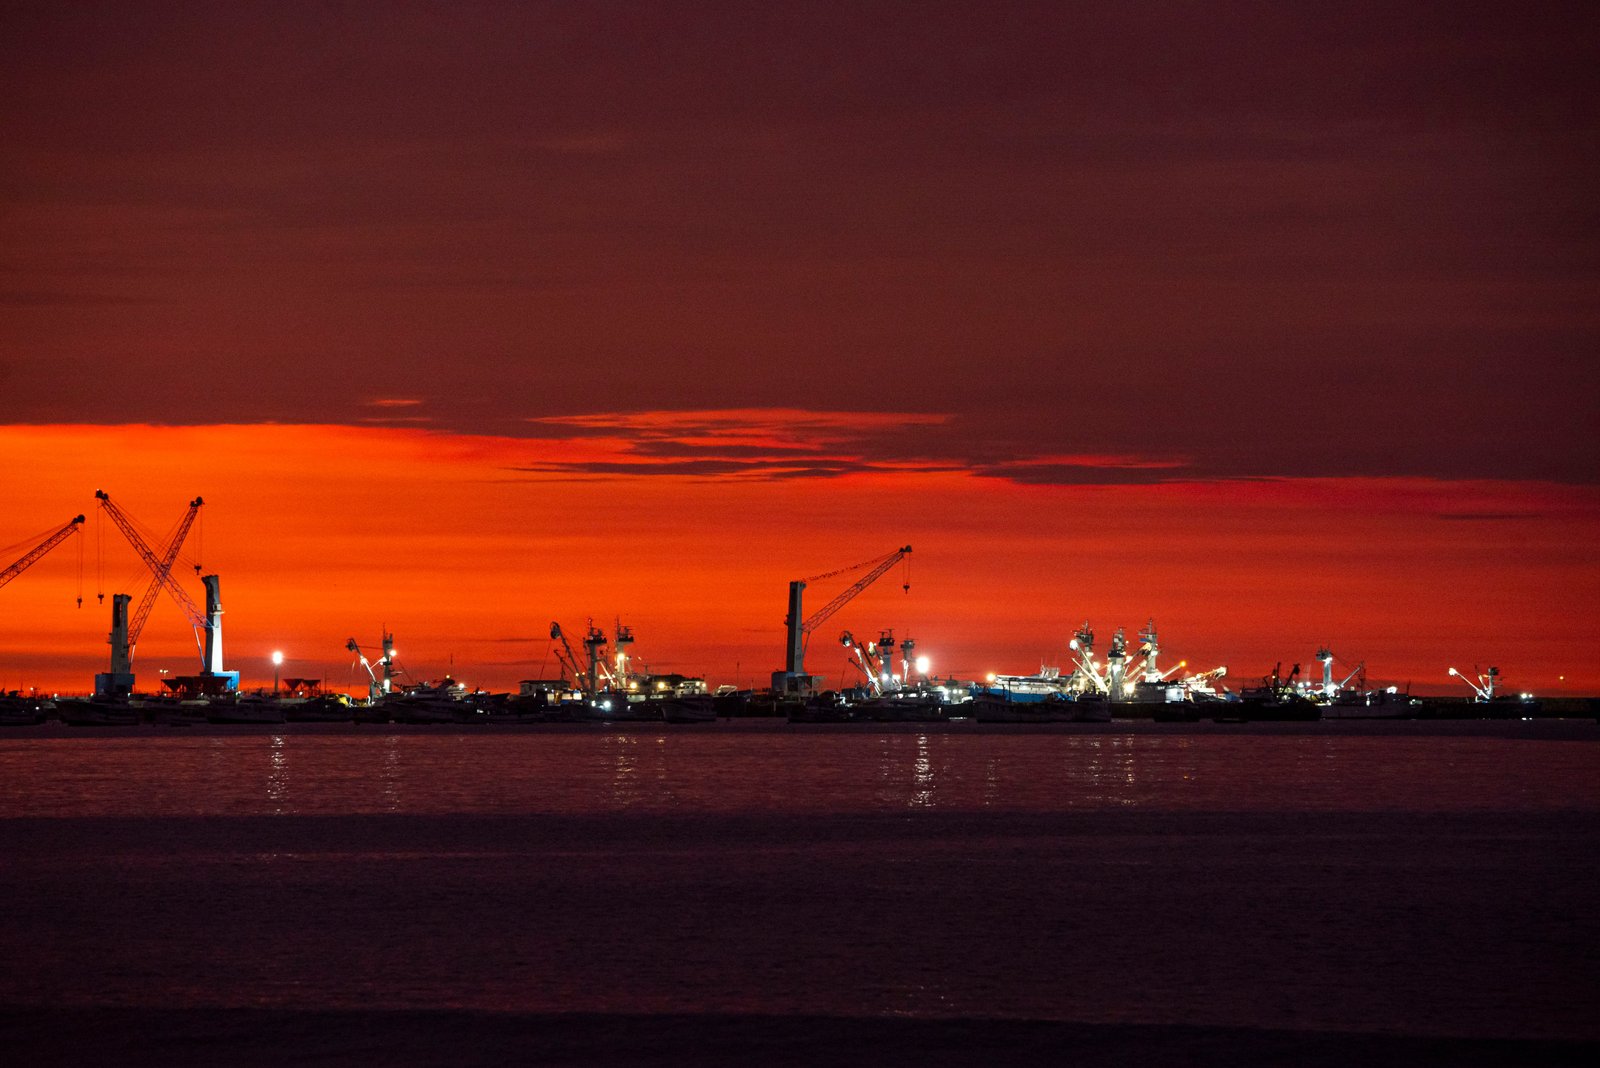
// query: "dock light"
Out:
[990,676]
[922,665]
[277,662]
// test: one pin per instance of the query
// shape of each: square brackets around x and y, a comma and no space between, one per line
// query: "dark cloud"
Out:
[1355,238]
[1488,517]
[772,469]
[60,299]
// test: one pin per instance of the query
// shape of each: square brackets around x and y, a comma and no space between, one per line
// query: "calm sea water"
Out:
[1405,880]
[342,771]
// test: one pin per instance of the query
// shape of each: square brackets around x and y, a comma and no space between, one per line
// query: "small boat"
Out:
[902,708]
[690,708]
[825,707]
[323,708]
[19,711]
[990,707]
[446,702]
[245,710]
[1374,704]
[97,712]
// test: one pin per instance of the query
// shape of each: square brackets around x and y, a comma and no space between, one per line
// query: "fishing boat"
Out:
[245,709]
[17,710]
[97,712]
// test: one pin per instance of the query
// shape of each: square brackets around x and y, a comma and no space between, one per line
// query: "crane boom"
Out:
[197,618]
[355,647]
[822,614]
[33,555]
[865,662]
[569,660]
[793,677]
[142,614]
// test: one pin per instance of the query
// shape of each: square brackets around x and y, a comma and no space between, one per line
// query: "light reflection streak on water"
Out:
[278,773]
[625,787]
[886,791]
[1129,779]
[416,772]
[389,776]
[922,776]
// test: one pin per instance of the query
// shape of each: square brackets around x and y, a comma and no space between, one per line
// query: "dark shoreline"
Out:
[113,1035]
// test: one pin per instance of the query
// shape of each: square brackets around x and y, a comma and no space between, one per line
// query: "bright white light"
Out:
[277,658]
[1453,671]
[990,676]
[922,665]
[1073,644]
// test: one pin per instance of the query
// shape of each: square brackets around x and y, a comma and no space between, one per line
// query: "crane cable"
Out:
[852,567]
[100,554]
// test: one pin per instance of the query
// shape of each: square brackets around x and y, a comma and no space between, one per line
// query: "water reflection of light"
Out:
[390,774]
[922,775]
[1127,761]
[278,773]
[662,787]
[1093,772]
[624,785]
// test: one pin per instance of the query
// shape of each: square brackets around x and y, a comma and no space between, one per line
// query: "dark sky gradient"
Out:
[1227,238]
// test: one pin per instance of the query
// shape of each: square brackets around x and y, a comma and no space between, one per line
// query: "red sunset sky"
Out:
[1276,323]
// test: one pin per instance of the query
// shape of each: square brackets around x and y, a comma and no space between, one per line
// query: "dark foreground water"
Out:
[1320,894]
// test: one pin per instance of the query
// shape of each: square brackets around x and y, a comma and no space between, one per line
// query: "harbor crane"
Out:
[207,624]
[1330,688]
[1086,675]
[1483,689]
[793,677]
[162,568]
[1200,683]
[35,554]
[377,687]
[866,661]
[586,679]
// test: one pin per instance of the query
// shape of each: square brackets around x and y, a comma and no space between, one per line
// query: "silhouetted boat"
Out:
[19,711]
[97,712]
[244,710]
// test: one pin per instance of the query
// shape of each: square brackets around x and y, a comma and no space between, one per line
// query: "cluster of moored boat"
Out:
[1127,683]
[420,706]
[445,705]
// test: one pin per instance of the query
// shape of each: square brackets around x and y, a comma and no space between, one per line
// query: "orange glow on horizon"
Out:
[467,547]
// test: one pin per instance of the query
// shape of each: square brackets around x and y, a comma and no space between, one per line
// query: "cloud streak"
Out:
[781,444]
